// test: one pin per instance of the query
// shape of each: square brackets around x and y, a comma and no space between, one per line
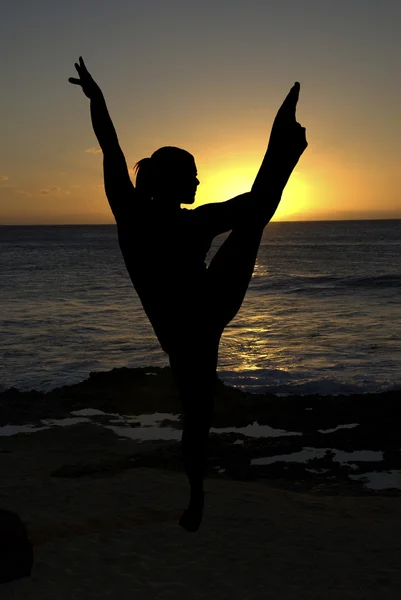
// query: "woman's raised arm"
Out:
[119,188]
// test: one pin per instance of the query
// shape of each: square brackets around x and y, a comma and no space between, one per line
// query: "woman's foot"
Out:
[192,516]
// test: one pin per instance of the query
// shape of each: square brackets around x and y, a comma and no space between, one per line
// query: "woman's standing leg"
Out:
[194,364]
[195,374]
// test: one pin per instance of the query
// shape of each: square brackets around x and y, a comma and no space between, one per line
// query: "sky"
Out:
[207,76]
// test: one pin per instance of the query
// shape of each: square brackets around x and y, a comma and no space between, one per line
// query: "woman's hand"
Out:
[288,138]
[89,86]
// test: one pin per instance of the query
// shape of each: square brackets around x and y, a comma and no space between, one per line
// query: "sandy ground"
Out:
[115,535]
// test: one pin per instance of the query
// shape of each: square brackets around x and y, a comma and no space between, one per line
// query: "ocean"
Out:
[322,313]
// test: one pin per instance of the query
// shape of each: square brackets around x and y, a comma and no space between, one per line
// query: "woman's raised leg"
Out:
[230,272]
[231,269]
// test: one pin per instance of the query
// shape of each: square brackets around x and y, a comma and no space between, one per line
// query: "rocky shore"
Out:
[284,517]
[366,423]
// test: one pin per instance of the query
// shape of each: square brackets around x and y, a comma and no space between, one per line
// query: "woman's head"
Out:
[169,175]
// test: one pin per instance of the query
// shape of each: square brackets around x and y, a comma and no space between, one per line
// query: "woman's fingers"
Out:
[82,72]
[83,66]
[81,69]
[80,66]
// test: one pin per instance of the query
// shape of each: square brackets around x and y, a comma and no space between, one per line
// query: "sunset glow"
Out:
[212,89]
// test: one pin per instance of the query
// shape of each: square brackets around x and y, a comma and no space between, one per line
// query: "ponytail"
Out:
[144,176]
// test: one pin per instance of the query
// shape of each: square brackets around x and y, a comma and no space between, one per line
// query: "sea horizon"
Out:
[270,223]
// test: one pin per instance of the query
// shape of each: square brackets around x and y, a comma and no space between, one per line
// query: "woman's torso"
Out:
[165,258]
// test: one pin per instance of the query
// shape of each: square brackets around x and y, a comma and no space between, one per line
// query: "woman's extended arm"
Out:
[286,145]
[119,188]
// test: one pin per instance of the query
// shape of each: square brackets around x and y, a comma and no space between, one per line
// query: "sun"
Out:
[295,200]
[228,183]
[224,184]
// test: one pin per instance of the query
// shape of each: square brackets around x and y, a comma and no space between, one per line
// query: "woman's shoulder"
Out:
[191,216]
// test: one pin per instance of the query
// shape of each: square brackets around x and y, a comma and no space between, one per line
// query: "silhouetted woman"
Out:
[164,248]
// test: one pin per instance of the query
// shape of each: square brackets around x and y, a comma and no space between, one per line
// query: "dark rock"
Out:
[16,553]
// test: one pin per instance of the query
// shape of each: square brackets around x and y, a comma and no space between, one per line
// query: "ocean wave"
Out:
[324,283]
[389,281]
[288,386]
[320,388]
[282,383]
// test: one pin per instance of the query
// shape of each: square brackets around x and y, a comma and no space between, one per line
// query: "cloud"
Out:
[3,177]
[22,192]
[53,189]
[50,190]
[12,188]
[93,150]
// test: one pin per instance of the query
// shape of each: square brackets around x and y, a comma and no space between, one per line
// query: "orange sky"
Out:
[208,79]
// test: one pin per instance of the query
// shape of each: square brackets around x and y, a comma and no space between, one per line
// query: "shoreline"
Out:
[225,377]
[138,380]
[317,432]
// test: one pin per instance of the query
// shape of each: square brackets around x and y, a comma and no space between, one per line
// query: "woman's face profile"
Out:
[181,182]
[189,184]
